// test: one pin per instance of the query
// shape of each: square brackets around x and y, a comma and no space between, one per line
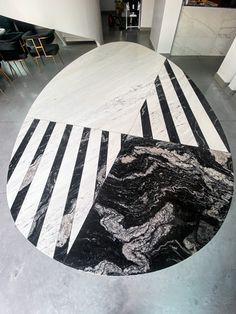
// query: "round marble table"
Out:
[120,167]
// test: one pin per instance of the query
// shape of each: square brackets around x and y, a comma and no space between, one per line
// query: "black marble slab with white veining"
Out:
[160,203]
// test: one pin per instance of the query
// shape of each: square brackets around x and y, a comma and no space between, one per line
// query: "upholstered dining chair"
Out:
[13,49]
[24,27]
[7,24]
[40,45]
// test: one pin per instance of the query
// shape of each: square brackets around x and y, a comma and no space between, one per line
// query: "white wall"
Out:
[107,5]
[169,25]
[77,17]
[147,13]
[204,31]
[158,13]
[232,85]
[165,20]
[227,69]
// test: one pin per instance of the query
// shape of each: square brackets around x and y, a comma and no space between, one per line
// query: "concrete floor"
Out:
[32,283]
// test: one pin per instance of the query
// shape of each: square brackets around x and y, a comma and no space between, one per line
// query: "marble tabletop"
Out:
[80,144]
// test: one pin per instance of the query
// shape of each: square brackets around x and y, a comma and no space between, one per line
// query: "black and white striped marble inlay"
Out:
[158,202]
[177,111]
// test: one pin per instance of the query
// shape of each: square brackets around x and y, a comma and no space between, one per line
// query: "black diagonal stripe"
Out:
[210,113]
[15,159]
[145,119]
[197,132]
[123,138]
[16,206]
[102,161]
[61,250]
[48,189]
[170,126]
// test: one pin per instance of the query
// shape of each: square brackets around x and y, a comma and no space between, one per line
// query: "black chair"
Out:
[12,48]
[26,27]
[7,24]
[40,45]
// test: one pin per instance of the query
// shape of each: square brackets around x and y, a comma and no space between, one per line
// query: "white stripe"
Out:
[31,202]
[114,145]
[24,128]
[212,137]
[136,129]
[49,233]
[179,118]
[22,167]
[159,131]
[87,185]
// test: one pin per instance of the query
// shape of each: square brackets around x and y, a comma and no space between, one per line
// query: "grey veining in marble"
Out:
[204,31]
[160,203]
[203,284]
[54,177]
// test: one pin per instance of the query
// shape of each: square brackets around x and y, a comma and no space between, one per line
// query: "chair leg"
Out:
[11,69]
[7,78]
[3,92]
[60,58]
[17,67]
[42,60]
[55,62]
[37,63]
[24,66]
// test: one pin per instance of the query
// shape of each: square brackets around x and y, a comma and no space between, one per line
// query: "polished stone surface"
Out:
[203,284]
[204,31]
[68,144]
[103,89]
[160,203]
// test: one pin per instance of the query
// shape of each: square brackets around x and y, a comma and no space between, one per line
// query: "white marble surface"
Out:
[204,31]
[50,287]
[208,129]
[103,89]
